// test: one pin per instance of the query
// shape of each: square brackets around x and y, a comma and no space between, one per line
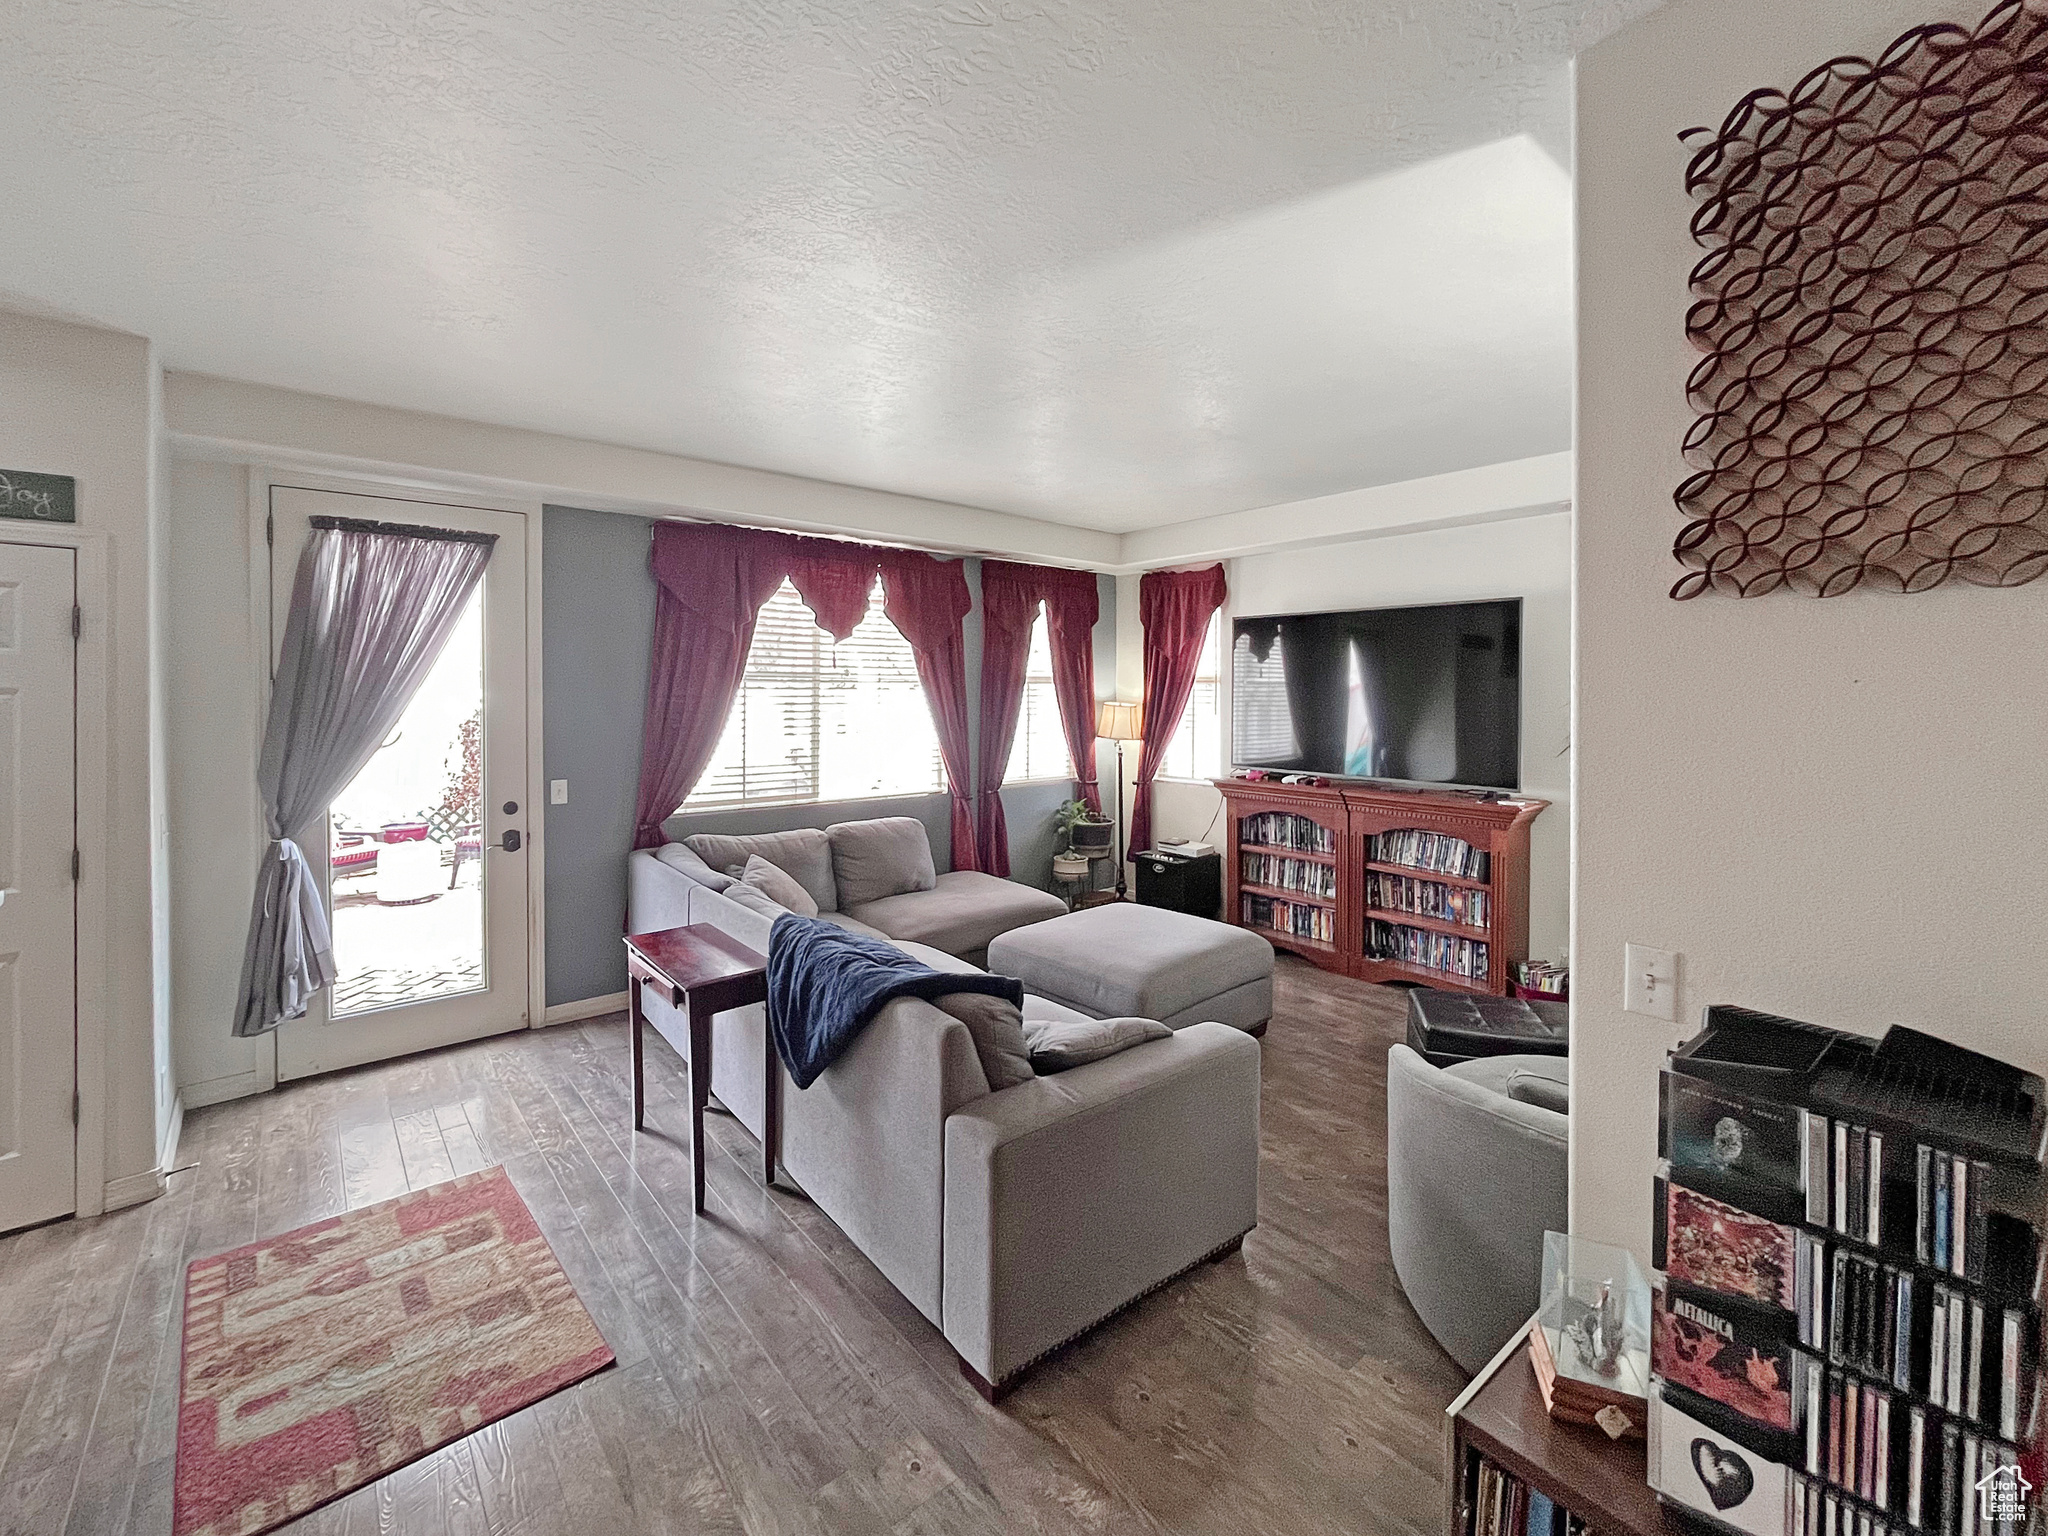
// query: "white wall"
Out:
[214,732]
[1528,558]
[1831,809]
[78,401]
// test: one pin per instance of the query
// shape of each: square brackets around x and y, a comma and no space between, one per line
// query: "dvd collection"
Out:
[1424,898]
[1500,1504]
[1278,829]
[1289,917]
[1437,852]
[1843,1342]
[1285,874]
[1418,946]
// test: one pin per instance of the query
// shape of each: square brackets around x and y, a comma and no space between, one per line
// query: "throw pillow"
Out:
[678,857]
[887,856]
[1057,1044]
[754,899]
[803,853]
[778,886]
[997,1029]
[1543,1092]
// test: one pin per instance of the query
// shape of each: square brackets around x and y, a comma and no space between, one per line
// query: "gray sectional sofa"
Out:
[1013,1220]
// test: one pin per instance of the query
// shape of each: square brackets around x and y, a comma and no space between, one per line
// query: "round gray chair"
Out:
[1475,1177]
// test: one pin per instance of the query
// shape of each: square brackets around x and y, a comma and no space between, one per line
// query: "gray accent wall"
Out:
[598,623]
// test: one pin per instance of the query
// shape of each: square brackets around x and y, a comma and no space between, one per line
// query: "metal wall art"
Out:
[1873,310]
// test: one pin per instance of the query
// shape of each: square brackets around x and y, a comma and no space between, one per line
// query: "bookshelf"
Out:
[1851,1238]
[1385,885]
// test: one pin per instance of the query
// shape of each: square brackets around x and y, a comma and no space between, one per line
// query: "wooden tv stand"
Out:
[1315,869]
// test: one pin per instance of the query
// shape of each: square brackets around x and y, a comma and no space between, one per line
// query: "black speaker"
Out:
[1181,882]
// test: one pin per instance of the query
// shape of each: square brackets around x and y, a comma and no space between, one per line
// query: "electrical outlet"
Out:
[1651,986]
[558,791]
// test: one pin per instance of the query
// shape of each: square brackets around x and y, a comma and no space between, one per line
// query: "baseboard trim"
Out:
[588,1008]
[218,1090]
[134,1189]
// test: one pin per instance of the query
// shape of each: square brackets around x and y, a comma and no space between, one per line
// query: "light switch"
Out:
[1652,983]
[558,791]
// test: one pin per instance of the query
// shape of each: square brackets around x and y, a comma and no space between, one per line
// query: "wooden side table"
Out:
[1500,1417]
[702,971]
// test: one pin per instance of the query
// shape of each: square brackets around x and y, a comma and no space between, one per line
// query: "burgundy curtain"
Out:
[1175,608]
[1010,595]
[926,598]
[710,583]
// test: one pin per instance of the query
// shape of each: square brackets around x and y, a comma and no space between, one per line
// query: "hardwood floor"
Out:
[769,1379]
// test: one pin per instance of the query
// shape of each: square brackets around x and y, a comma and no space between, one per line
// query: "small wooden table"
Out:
[702,971]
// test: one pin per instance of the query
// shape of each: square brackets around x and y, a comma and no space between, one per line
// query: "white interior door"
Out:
[38,900]
[424,855]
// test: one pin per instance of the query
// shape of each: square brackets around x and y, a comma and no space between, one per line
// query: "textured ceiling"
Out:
[1109,264]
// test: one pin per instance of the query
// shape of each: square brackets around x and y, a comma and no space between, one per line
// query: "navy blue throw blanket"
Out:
[825,983]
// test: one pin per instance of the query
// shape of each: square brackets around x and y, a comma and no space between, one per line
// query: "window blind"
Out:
[817,721]
[1196,751]
[1039,749]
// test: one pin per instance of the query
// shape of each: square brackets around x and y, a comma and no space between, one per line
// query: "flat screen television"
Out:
[1415,695]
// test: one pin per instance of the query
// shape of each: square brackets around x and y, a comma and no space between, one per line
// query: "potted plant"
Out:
[1088,832]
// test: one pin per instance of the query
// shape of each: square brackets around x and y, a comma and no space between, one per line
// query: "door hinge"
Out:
[74,866]
[74,1106]
[270,528]
[77,621]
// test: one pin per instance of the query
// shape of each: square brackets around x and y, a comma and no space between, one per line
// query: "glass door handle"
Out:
[510,842]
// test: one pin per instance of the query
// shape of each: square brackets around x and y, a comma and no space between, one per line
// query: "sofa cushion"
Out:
[1059,1044]
[802,852]
[961,912]
[1496,1073]
[1123,960]
[997,1029]
[851,925]
[777,886]
[678,857]
[887,856]
[937,959]
[754,899]
[1540,1089]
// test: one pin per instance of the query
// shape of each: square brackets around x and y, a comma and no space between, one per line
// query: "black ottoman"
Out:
[1449,1027]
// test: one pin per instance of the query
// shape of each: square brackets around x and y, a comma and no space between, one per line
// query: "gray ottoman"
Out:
[1122,960]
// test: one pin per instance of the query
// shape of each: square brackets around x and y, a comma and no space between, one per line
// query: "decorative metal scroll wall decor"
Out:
[1873,307]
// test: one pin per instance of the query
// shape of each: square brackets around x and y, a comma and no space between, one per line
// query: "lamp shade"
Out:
[1118,720]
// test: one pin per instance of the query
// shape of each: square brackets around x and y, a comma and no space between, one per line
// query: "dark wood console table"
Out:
[1500,1417]
[701,971]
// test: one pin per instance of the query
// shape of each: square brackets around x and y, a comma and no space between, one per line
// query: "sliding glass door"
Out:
[424,853]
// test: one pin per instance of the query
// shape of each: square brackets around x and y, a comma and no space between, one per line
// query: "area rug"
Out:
[318,1361]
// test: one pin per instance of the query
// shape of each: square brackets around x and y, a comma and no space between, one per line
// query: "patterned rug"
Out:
[318,1361]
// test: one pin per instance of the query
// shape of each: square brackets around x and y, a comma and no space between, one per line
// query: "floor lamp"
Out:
[1120,722]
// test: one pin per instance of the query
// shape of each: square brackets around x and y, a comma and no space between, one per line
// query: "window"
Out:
[1196,751]
[819,721]
[1039,749]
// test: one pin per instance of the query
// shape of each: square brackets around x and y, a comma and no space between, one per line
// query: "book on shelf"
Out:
[1437,852]
[1425,898]
[1279,829]
[1498,1503]
[1466,958]
[1282,873]
[1297,919]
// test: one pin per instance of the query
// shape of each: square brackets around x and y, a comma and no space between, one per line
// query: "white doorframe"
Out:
[92,814]
[261,479]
